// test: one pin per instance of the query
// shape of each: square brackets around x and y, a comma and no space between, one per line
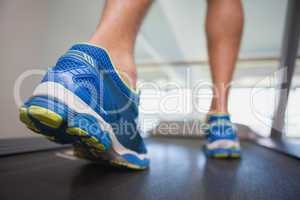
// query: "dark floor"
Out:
[179,170]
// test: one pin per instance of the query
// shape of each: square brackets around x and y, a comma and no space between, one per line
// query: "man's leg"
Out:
[224,26]
[87,98]
[117,32]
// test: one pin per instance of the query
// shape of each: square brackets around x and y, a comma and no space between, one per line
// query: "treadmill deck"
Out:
[179,170]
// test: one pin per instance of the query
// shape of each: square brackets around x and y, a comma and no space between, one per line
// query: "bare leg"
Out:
[224,26]
[117,31]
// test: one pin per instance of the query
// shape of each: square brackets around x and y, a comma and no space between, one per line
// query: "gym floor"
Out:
[179,170]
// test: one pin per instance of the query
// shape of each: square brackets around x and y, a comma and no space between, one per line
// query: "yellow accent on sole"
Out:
[101,147]
[121,163]
[46,116]
[92,141]
[76,131]
[26,120]
[33,128]
[24,116]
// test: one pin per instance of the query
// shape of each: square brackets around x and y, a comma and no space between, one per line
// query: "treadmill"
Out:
[34,168]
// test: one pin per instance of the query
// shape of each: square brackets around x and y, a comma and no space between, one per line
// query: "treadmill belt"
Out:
[179,170]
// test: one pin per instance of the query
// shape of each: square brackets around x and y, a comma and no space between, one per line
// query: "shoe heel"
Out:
[47,117]
[24,117]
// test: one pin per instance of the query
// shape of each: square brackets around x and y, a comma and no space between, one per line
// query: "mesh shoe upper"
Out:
[220,127]
[88,72]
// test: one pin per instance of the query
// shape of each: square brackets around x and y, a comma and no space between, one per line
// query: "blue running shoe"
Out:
[222,139]
[83,101]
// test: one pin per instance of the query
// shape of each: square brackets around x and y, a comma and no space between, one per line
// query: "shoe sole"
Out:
[59,124]
[223,153]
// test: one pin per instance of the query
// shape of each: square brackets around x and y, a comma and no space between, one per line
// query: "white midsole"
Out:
[65,96]
[226,144]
